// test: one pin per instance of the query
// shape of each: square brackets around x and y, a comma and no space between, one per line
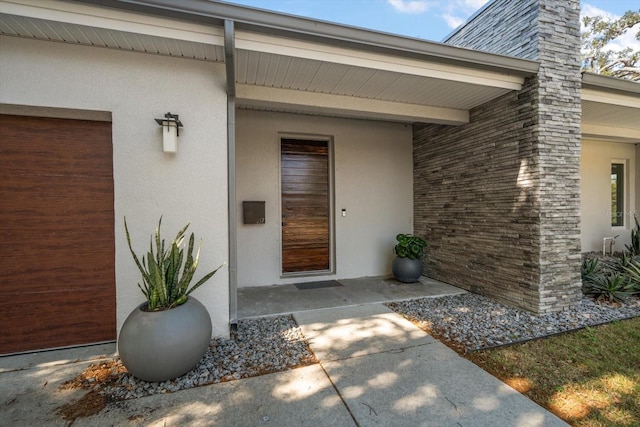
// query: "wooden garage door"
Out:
[57,281]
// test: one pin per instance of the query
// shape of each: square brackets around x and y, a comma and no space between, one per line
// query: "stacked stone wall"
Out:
[505,27]
[499,199]
[559,111]
[474,201]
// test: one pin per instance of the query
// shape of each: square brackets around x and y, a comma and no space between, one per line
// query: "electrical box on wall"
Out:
[253,212]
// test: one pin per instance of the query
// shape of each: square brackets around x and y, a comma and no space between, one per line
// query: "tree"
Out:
[599,57]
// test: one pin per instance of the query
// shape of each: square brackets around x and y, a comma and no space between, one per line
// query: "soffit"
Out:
[274,62]
[88,25]
[41,29]
[611,114]
[323,77]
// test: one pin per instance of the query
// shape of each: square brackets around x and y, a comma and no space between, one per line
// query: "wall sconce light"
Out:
[170,131]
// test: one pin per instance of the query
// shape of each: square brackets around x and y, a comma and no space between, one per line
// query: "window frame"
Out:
[621,193]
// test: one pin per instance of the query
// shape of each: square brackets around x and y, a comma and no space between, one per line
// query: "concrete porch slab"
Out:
[285,299]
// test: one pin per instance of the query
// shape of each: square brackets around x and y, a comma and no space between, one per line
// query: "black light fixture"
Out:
[171,125]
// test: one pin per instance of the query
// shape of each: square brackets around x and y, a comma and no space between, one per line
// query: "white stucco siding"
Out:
[190,186]
[373,182]
[595,184]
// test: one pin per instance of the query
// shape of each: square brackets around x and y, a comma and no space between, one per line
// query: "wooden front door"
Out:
[305,187]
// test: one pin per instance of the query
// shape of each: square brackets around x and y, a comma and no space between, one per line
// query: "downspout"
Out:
[229,61]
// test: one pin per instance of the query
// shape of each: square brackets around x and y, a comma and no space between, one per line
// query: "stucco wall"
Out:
[187,187]
[373,182]
[595,181]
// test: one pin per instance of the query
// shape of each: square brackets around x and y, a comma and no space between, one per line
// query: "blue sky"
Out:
[426,19]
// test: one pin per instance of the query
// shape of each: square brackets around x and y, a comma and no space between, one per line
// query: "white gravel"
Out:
[475,322]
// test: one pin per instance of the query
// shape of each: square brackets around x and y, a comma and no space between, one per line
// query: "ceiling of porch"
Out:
[276,82]
[610,109]
[287,72]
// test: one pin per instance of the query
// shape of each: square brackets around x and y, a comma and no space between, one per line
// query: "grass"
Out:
[587,378]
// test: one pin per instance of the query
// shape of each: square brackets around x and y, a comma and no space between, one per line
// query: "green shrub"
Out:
[409,246]
[162,284]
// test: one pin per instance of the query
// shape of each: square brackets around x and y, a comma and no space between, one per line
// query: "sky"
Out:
[425,19]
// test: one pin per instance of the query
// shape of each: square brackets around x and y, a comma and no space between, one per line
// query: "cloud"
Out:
[453,21]
[410,6]
[475,4]
[622,42]
[589,10]
[457,11]
[628,39]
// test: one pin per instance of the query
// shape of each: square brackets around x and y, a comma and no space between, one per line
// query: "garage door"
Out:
[57,280]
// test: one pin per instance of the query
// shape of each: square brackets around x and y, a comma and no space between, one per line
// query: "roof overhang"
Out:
[610,108]
[283,62]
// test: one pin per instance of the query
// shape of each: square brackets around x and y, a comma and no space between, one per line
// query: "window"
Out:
[617,194]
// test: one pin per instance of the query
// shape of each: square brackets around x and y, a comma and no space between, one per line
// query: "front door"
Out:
[305,187]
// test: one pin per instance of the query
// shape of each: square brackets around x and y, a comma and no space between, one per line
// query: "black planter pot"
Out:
[407,270]
[162,345]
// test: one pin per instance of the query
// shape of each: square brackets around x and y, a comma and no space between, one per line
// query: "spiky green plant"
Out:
[409,246]
[618,263]
[633,273]
[589,268]
[614,287]
[634,247]
[162,284]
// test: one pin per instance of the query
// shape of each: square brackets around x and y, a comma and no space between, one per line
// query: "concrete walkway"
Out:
[390,373]
[376,369]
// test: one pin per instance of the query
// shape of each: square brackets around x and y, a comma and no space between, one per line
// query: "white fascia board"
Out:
[320,52]
[612,133]
[346,106]
[610,98]
[111,19]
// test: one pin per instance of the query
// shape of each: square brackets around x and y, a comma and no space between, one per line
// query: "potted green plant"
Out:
[167,335]
[407,266]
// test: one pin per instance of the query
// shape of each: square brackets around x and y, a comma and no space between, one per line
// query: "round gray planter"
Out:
[407,270]
[162,345]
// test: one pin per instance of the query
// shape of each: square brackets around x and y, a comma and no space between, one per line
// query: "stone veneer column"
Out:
[499,199]
[559,142]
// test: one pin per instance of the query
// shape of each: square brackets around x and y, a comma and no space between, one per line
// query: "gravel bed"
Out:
[473,322]
[260,346]
[469,322]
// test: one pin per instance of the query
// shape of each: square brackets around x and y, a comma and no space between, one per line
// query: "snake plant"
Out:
[162,284]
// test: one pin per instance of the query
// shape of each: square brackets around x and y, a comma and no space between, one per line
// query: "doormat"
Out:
[318,285]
